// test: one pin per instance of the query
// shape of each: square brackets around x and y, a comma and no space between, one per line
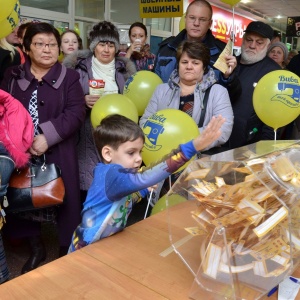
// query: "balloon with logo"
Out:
[113,104]
[139,88]
[276,98]
[164,131]
[182,22]
[165,202]
[7,7]
[9,16]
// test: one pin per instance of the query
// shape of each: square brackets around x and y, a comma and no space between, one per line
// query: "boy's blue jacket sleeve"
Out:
[132,181]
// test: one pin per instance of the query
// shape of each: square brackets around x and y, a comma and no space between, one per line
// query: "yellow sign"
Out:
[161,8]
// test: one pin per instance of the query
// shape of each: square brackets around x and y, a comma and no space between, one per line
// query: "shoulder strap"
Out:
[11,84]
[203,111]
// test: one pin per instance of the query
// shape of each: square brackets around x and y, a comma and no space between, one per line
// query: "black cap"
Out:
[260,28]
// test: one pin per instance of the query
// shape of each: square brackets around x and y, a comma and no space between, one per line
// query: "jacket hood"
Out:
[208,80]
[71,60]
[15,138]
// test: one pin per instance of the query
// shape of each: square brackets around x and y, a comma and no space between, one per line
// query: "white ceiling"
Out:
[266,10]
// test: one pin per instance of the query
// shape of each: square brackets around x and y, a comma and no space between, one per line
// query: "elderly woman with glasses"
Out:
[54,99]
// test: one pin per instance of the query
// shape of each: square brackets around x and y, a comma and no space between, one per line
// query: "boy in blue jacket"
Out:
[118,180]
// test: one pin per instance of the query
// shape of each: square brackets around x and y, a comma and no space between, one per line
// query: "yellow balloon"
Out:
[276,98]
[7,7]
[182,22]
[8,24]
[164,131]
[76,29]
[161,204]
[139,88]
[231,2]
[113,104]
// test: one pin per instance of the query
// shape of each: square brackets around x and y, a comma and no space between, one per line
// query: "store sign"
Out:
[293,26]
[223,24]
[161,8]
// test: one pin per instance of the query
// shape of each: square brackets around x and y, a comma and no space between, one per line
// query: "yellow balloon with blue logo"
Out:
[276,98]
[9,17]
[139,88]
[164,131]
[7,7]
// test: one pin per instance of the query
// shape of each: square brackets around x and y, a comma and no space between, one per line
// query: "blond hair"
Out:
[4,44]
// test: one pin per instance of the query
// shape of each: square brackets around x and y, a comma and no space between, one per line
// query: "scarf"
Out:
[106,72]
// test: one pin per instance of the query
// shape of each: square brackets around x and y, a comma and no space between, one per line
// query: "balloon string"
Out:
[233,30]
[149,200]
[275,134]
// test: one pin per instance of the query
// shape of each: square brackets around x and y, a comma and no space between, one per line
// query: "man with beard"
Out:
[253,64]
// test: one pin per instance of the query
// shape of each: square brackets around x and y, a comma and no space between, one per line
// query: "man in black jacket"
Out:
[253,64]
[198,21]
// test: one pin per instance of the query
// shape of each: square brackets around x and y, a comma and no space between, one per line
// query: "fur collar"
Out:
[74,59]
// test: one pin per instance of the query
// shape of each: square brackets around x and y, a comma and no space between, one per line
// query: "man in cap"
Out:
[198,20]
[253,64]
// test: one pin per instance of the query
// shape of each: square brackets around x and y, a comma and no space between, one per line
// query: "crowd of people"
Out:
[53,98]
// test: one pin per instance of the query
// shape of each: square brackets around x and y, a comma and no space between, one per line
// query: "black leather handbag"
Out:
[34,187]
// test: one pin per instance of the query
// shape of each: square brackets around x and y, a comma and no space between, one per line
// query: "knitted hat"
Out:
[104,32]
[282,46]
[260,28]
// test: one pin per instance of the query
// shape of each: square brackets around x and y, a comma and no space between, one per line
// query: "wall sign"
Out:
[293,26]
[161,8]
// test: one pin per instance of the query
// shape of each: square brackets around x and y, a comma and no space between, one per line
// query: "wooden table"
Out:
[137,263]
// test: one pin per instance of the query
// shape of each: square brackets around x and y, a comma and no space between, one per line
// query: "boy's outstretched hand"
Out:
[211,133]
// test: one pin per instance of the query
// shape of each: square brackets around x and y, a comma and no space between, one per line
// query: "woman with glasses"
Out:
[54,99]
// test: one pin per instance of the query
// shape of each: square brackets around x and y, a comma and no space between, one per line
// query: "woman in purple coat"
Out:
[55,100]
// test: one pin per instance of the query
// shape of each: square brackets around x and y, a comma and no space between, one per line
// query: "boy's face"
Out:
[128,155]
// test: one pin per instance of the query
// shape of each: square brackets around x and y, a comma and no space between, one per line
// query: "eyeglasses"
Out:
[192,19]
[42,45]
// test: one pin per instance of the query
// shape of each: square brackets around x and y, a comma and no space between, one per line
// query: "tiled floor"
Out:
[17,254]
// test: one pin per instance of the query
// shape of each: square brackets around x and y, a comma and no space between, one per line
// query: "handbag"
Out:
[36,186]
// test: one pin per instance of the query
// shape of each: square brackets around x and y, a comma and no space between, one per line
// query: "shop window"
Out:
[118,9]
[93,9]
[161,24]
[53,5]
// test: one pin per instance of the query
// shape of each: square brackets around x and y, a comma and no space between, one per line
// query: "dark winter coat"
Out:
[6,61]
[165,62]
[61,110]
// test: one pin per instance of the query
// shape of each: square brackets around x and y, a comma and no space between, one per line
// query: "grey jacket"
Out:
[87,152]
[167,95]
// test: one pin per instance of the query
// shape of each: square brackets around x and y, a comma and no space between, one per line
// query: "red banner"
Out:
[222,25]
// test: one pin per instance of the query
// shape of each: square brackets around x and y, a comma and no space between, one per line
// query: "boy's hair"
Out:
[115,130]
